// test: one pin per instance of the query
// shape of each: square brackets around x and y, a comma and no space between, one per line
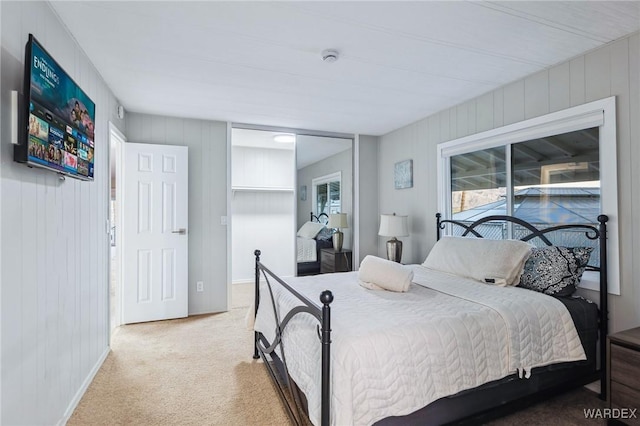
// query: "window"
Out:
[551,170]
[327,194]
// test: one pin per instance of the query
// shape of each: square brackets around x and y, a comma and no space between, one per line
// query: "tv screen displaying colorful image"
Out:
[61,118]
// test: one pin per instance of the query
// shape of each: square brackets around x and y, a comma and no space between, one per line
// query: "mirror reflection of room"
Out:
[324,204]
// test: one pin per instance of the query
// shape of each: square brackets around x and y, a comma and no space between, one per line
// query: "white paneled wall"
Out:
[263,215]
[369,221]
[608,71]
[262,168]
[207,142]
[54,246]
[262,220]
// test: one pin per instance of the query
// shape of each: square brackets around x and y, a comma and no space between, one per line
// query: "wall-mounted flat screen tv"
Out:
[60,118]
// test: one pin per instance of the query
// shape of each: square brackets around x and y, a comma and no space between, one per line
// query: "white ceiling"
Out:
[259,62]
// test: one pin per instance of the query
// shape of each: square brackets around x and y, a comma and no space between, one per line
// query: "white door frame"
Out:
[229,221]
[118,138]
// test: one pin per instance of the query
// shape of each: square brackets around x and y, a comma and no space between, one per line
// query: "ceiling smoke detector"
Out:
[330,55]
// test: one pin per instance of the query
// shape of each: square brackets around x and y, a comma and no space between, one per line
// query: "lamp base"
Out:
[394,250]
[338,238]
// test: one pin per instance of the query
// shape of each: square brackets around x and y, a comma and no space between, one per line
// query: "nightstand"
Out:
[623,350]
[335,261]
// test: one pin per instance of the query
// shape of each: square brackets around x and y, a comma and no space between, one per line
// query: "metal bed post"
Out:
[326,298]
[438,229]
[256,253]
[604,307]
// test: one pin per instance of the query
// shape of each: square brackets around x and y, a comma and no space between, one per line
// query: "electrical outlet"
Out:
[200,286]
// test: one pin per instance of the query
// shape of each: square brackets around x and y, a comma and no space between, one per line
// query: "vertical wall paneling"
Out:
[215,203]
[560,87]
[597,74]
[514,102]
[498,108]
[609,70]
[207,199]
[445,130]
[484,112]
[536,92]
[462,120]
[577,83]
[453,122]
[620,85]
[54,247]
[472,117]
[262,209]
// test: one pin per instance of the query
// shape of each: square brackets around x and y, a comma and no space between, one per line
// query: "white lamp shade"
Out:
[392,225]
[337,220]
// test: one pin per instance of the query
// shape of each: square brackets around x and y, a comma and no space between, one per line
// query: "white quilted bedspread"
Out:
[306,250]
[394,353]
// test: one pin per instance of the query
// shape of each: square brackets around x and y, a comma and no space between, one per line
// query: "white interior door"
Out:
[155,238]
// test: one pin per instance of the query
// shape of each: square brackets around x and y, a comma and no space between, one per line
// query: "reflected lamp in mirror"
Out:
[337,221]
[392,225]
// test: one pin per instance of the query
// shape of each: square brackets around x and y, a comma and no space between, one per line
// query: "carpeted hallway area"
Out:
[193,371]
[199,371]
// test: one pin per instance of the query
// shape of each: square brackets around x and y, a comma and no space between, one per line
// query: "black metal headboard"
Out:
[321,218]
[591,232]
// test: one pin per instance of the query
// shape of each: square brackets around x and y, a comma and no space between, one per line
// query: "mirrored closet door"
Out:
[324,179]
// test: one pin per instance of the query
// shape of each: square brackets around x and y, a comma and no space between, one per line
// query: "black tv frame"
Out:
[20,151]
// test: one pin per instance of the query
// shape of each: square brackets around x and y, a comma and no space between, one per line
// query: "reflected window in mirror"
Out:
[327,194]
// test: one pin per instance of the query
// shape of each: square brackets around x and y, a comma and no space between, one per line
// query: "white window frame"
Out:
[601,114]
[337,176]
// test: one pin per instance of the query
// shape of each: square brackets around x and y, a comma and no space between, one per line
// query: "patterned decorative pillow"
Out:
[555,270]
[324,234]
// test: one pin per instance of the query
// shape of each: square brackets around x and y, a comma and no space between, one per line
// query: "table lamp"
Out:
[394,226]
[338,220]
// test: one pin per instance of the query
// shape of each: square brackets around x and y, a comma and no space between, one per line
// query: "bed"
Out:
[309,244]
[449,350]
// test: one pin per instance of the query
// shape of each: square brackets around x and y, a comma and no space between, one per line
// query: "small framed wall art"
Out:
[303,193]
[403,174]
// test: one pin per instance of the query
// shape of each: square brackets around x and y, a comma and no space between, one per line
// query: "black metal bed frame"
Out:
[316,218]
[278,369]
[323,315]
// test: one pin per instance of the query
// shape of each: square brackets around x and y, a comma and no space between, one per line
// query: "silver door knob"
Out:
[181,231]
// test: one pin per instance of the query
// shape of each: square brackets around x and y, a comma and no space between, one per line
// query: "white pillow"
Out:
[310,229]
[497,262]
[381,274]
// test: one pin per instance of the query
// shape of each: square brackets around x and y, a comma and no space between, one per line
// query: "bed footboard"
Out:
[266,350]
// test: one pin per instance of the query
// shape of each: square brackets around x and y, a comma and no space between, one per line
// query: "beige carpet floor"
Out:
[199,371]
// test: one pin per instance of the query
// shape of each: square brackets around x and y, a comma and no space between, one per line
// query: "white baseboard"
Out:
[243,282]
[85,385]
